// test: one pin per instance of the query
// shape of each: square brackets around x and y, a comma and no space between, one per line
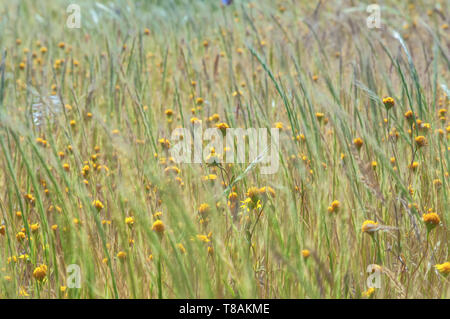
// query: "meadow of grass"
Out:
[86,176]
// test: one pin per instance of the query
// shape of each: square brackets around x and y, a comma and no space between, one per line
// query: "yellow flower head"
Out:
[40,272]
[421,141]
[98,204]
[431,220]
[369,292]
[85,170]
[369,226]
[181,248]
[34,227]
[215,117]
[334,207]
[248,204]
[413,166]
[195,120]
[358,142]
[278,125]
[23,292]
[374,164]
[20,236]
[12,259]
[2,230]
[388,102]
[164,142]
[203,209]
[203,238]
[267,190]
[320,116]
[222,127]
[121,255]
[233,196]
[129,221]
[158,226]
[409,115]
[443,268]
[305,253]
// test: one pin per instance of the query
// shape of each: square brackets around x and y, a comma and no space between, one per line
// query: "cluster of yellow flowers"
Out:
[334,206]
[40,272]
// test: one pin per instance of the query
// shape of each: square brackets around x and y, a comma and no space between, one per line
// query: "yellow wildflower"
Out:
[369,226]
[40,272]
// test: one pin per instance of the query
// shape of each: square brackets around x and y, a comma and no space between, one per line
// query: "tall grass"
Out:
[313,67]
